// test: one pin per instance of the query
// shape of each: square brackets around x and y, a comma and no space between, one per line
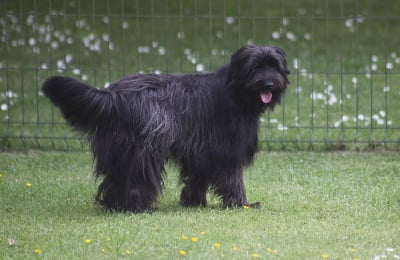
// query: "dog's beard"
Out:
[266,87]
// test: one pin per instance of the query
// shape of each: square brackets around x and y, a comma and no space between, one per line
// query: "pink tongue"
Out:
[266,97]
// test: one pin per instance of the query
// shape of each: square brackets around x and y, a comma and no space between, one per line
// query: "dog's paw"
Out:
[254,205]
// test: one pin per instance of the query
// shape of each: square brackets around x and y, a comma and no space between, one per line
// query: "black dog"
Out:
[206,123]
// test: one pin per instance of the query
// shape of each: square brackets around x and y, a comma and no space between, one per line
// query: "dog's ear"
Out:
[282,53]
[247,58]
[240,56]
[242,62]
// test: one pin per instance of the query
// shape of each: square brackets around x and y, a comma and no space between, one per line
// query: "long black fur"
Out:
[206,123]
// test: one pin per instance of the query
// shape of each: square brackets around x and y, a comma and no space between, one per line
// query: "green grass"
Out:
[314,205]
[344,54]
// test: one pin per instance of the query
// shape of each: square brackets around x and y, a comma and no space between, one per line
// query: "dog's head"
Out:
[261,73]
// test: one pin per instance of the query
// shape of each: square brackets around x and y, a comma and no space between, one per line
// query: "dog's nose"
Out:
[268,84]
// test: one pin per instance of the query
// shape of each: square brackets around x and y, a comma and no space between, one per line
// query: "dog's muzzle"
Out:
[268,85]
[266,92]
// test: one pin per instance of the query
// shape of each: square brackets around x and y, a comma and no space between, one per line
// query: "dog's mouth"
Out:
[266,96]
[265,91]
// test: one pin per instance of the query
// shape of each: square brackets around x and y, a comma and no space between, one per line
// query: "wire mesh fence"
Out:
[344,57]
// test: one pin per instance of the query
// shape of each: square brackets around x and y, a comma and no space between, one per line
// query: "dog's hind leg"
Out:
[118,195]
[132,179]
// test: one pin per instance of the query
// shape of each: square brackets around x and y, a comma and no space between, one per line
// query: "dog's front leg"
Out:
[232,190]
[195,186]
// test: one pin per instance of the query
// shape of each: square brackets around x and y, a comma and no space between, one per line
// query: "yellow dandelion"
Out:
[184,237]
[28,184]
[194,239]
[88,241]
[103,250]
[255,255]
[352,249]
[246,207]
[38,251]
[234,248]
[128,252]
[272,251]
[202,233]
[217,245]
[182,252]
[325,256]
[1,174]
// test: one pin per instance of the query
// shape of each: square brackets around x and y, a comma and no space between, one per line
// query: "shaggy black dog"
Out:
[206,123]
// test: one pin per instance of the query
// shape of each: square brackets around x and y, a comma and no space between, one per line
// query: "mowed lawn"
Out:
[338,205]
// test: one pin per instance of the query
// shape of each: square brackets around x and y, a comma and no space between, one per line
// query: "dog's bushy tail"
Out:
[82,105]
